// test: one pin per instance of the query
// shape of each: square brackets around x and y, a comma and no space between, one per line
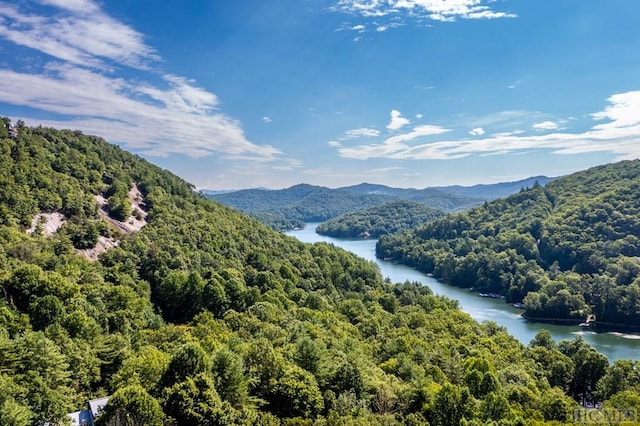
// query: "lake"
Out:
[612,344]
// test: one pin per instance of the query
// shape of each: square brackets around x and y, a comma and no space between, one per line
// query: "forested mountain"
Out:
[291,207]
[205,317]
[490,192]
[567,250]
[435,198]
[388,218]
[451,198]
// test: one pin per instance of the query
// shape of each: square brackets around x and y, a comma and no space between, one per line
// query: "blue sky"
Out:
[409,93]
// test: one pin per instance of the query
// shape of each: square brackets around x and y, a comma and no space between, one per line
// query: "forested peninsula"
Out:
[567,251]
[389,218]
[119,280]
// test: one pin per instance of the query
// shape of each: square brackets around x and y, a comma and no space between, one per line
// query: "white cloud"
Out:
[362,132]
[83,6]
[438,10]
[419,116]
[623,111]
[81,34]
[619,135]
[334,144]
[397,121]
[514,85]
[546,125]
[391,145]
[115,109]
[488,14]
[502,121]
[382,28]
[171,115]
[267,119]
[358,28]
[478,131]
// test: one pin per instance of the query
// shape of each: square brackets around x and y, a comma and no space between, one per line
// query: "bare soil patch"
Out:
[138,218]
[103,245]
[50,223]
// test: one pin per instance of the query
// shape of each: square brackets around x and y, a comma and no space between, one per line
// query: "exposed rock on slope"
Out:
[50,223]
[135,222]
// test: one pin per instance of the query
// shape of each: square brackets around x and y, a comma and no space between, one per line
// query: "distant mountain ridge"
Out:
[292,207]
[496,190]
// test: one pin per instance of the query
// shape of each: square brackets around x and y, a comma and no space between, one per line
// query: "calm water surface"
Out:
[613,345]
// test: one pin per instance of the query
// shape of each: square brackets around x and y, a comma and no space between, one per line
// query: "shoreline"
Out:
[597,325]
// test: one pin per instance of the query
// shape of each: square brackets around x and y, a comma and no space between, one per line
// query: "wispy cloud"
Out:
[397,121]
[546,125]
[392,145]
[362,132]
[84,6]
[618,134]
[79,33]
[266,119]
[501,121]
[84,53]
[436,10]
[478,131]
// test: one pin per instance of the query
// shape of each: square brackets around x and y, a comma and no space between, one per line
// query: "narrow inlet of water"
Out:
[615,345]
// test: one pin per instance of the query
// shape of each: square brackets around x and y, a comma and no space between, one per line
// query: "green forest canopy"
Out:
[292,207]
[567,250]
[207,317]
[388,218]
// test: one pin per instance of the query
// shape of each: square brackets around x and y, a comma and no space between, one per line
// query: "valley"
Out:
[616,345]
[198,314]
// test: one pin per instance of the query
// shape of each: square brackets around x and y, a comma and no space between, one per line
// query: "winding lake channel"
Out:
[612,344]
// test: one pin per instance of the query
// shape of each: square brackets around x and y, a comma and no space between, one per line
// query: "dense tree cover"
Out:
[450,198]
[207,317]
[277,220]
[567,250]
[291,207]
[437,198]
[388,218]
